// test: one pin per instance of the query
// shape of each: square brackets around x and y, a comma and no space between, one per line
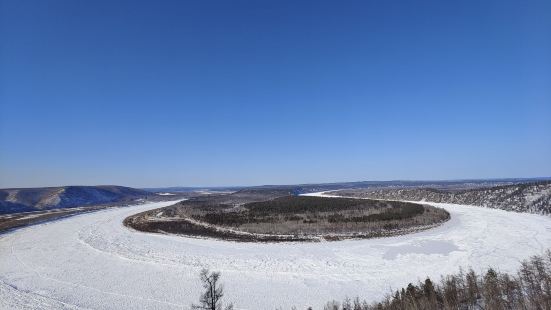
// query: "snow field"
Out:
[93,261]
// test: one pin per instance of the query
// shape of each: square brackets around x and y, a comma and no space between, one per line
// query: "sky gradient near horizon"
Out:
[204,93]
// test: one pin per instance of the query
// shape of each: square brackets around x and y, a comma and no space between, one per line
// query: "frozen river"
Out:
[93,261]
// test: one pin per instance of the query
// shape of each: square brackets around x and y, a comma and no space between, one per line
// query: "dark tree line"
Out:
[302,204]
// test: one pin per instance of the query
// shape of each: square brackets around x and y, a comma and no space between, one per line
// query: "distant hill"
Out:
[13,200]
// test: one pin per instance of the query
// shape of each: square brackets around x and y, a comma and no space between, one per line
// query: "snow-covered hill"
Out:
[529,197]
[34,199]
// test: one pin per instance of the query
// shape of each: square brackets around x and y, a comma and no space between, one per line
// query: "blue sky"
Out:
[202,93]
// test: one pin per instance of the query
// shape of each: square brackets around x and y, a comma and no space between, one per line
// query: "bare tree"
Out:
[472,292]
[211,298]
[332,305]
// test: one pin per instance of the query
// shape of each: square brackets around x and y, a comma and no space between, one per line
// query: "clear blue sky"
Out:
[158,93]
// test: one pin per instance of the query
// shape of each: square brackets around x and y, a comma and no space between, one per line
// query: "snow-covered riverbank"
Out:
[93,261]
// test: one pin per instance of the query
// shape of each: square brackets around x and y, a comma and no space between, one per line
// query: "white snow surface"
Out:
[91,261]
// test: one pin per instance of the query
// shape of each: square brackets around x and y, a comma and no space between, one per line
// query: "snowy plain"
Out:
[91,261]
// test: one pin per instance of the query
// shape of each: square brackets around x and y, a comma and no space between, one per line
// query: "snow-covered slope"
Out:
[93,261]
[13,200]
[532,197]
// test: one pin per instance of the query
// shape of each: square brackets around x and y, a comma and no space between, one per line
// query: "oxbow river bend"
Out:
[93,261]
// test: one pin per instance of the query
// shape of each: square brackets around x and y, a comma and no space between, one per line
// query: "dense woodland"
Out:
[308,209]
[318,215]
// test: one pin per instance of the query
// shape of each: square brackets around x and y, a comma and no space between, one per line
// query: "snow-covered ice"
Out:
[93,261]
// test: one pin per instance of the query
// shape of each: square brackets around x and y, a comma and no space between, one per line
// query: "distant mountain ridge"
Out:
[318,187]
[13,200]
